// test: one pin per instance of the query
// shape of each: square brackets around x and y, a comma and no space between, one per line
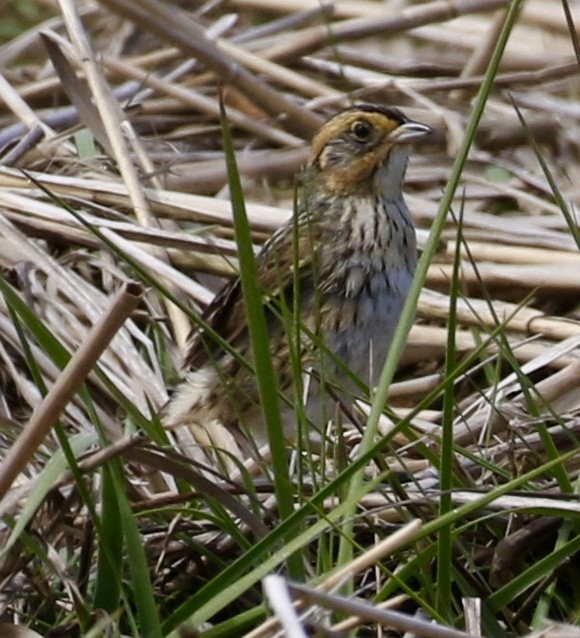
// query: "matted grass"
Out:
[457,500]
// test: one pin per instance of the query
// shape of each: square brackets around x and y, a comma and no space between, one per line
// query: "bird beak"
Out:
[409,132]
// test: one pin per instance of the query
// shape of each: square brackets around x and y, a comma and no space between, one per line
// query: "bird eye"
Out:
[361,130]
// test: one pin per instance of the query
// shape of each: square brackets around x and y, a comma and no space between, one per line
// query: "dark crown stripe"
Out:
[389,111]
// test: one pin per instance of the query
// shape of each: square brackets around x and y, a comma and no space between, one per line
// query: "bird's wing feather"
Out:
[276,264]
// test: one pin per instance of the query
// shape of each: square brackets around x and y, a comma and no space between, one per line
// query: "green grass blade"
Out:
[445,543]
[110,556]
[546,565]
[259,338]
[408,313]
[143,596]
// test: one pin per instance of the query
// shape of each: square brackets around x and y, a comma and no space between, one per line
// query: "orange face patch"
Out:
[350,147]
[342,123]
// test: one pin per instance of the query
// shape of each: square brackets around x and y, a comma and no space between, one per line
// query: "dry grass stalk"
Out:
[67,385]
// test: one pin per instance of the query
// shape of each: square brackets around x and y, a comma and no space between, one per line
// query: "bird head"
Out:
[353,144]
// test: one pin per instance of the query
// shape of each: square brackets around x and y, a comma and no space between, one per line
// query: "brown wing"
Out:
[277,262]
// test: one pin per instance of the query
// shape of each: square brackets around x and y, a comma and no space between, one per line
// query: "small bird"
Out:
[346,262]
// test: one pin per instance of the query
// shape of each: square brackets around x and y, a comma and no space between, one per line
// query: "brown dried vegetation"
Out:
[110,111]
